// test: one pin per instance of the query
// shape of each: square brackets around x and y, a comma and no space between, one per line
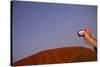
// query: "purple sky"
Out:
[40,26]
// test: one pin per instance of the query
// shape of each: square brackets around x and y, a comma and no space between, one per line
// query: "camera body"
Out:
[80,33]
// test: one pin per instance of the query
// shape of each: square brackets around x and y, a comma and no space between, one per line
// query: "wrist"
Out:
[94,42]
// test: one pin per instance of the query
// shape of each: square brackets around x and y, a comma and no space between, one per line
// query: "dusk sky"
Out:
[41,26]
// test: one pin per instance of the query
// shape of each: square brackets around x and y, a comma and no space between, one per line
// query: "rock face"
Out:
[59,55]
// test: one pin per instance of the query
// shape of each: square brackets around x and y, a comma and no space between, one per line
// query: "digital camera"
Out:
[80,33]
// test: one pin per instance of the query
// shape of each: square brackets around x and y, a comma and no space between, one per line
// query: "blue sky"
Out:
[40,26]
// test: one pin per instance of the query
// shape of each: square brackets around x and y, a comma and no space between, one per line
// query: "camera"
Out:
[80,33]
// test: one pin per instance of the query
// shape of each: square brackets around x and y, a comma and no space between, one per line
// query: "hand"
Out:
[88,37]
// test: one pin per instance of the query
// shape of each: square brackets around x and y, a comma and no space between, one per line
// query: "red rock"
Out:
[59,55]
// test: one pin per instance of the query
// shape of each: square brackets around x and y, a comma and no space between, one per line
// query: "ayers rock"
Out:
[59,55]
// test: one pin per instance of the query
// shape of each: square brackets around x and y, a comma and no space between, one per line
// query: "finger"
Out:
[87,29]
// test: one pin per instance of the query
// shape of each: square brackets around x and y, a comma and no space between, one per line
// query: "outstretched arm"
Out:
[88,37]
